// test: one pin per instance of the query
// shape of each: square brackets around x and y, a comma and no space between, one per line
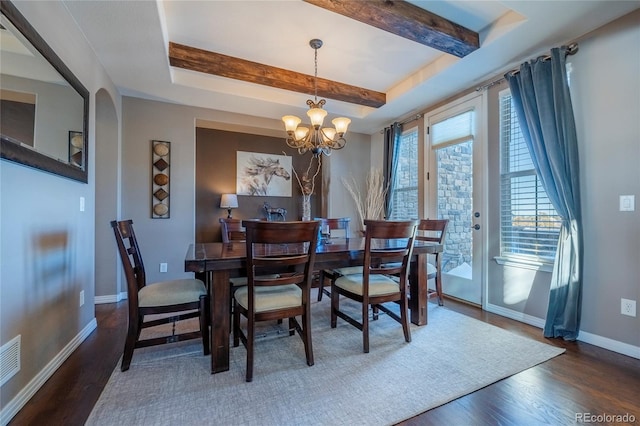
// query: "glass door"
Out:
[456,163]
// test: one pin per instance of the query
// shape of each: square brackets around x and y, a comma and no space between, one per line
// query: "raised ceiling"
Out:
[132,41]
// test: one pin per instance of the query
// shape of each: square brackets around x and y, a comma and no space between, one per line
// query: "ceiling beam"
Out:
[408,21]
[194,59]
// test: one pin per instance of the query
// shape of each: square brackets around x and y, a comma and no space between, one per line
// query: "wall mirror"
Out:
[44,108]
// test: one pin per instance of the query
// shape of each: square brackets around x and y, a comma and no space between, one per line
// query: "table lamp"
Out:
[229,201]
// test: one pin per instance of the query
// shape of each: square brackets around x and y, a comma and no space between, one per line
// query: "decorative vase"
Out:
[306,206]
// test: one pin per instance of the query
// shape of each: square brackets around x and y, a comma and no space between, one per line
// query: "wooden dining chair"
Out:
[231,230]
[184,298]
[386,242]
[434,230]
[288,249]
[333,228]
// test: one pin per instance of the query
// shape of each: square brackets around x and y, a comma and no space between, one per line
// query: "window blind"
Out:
[529,225]
[453,130]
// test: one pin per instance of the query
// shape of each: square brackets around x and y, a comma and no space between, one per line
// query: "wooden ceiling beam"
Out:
[408,21]
[194,59]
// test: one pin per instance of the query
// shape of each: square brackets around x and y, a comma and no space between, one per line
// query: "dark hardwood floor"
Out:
[586,379]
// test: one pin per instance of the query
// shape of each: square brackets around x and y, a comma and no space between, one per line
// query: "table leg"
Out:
[418,291]
[220,321]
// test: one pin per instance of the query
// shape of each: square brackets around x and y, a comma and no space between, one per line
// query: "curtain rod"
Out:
[572,49]
[405,121]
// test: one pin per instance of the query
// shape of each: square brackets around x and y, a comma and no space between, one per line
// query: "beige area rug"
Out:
[452,356]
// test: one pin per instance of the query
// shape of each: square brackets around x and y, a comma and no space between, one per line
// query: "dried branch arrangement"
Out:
[371,205]
[307,184]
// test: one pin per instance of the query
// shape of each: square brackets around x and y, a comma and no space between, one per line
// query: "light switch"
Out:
[81,204]
[627,203]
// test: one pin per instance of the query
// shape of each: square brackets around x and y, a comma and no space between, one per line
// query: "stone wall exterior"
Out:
[455,201]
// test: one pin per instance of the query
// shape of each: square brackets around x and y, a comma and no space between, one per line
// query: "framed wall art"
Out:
[160,179]
[263,174]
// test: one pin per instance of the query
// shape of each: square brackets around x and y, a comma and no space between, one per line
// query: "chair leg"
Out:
[320,286]
[365,327]
[133,332]
[204,323]
[251,325]
[292,326]
[308,347]
[404,308]
[335,305]
[236,325]
[439,289]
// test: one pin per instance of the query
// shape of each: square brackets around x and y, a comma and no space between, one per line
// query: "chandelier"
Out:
[317,139]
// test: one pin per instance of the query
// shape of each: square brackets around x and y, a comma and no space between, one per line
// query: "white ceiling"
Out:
[131,40]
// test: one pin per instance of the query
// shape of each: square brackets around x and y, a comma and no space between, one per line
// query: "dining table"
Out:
[215,263]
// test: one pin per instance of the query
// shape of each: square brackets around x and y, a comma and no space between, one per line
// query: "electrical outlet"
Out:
[628,307]
[163,267]
[81,298]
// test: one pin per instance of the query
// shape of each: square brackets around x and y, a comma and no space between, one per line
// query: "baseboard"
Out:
[610,344]
[112,298]
[515,315]
[16,404]
[592,339]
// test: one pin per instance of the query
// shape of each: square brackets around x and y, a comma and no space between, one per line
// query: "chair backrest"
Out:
[280,253]
[131,259]
[232,230]
[388,247]
[432,230]
[341,224]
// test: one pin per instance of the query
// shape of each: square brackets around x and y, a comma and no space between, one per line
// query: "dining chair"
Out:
[333,228]
[231,230]
[288,249]
[183,298]
[434,230]
[386,242]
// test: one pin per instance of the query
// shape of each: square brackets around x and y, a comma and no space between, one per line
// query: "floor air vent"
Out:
[9,359]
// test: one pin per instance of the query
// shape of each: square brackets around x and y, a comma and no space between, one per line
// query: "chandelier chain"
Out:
[315,80]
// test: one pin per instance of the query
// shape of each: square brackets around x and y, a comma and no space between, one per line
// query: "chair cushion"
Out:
[271,298]
[349,270]
[378,284]
[171,292]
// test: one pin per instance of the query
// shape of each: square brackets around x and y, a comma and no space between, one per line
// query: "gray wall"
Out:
[46,243]
[605,90]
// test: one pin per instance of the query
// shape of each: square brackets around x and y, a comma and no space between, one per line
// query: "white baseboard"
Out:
[583,336]
[612,345]
[515,315]
[112,298]
[16,404]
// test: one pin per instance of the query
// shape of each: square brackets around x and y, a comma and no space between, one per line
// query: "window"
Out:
[529,225]
[405,195]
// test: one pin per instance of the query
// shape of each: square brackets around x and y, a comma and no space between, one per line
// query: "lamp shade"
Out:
[229,201]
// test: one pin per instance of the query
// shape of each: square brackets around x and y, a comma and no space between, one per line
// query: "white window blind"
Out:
[405,194]
[529,225]
[453,130]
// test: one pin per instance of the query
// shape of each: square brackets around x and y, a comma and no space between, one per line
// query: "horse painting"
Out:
[257,172]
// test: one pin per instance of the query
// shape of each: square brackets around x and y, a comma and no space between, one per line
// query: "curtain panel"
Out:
[391,157]
[540,92]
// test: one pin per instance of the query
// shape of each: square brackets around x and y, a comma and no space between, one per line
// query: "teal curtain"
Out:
[540,91]
[391,158]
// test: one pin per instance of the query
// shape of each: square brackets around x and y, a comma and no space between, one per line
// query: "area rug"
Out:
[452,356]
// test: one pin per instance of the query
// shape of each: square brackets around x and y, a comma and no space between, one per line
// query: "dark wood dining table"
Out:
[215,263]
